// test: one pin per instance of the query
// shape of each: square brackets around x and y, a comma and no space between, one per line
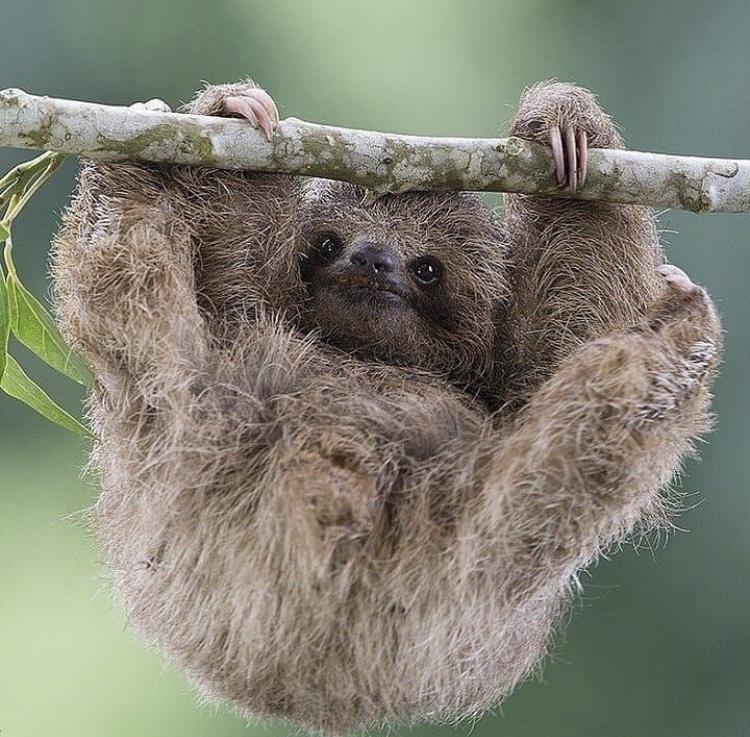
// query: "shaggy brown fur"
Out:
[340,514]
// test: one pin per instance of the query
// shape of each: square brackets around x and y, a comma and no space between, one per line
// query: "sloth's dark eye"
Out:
[426,271]
[329,246]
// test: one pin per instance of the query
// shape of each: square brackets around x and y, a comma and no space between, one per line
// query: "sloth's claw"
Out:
[154,105]
[555,138]
[570,151]
[678,279]
[257,107]
[583,156]
[572,158]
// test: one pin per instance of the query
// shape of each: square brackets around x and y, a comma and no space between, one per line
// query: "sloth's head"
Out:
[417,279]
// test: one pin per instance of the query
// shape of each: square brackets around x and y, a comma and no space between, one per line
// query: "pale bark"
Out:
[381,162]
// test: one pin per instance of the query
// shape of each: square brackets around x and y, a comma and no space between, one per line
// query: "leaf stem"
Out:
[21,314]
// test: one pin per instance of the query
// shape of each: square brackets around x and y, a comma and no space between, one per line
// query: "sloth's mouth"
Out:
[377,296]
[378,290]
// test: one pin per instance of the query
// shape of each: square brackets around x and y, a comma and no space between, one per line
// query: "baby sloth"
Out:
[353,454]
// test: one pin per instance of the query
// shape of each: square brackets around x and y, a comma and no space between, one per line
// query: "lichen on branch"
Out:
[381,162]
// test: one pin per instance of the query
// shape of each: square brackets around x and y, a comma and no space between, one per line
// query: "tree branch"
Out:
[381,162]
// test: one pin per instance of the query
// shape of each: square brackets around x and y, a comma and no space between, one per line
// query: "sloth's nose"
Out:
[370,258]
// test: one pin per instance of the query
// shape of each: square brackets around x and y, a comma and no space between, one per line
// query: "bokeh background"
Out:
[659,643]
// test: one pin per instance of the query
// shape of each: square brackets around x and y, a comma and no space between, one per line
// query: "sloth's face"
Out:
[367,296]
[412,280]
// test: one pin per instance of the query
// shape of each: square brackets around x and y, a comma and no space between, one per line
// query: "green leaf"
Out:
[19,386]
[4,323]
[21,183]
[33,326]
[4,233]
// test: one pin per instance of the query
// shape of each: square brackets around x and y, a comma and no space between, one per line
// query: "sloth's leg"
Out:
[601,437]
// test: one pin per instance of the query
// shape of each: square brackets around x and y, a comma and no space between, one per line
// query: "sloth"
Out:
[353,454]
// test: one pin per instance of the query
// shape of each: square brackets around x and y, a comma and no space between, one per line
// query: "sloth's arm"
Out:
[124,277]
[582,268]
[601,437]
[154,262]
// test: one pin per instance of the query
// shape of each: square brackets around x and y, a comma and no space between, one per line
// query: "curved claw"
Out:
[257,107]
[268,104]
[556,142]
[572,158]
[154,105]
[678,279]
[582,141]
[570,152]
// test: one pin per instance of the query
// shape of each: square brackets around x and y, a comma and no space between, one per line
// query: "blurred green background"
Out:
[659,643]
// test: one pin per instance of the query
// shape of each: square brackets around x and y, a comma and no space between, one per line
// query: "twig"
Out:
[382,162]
